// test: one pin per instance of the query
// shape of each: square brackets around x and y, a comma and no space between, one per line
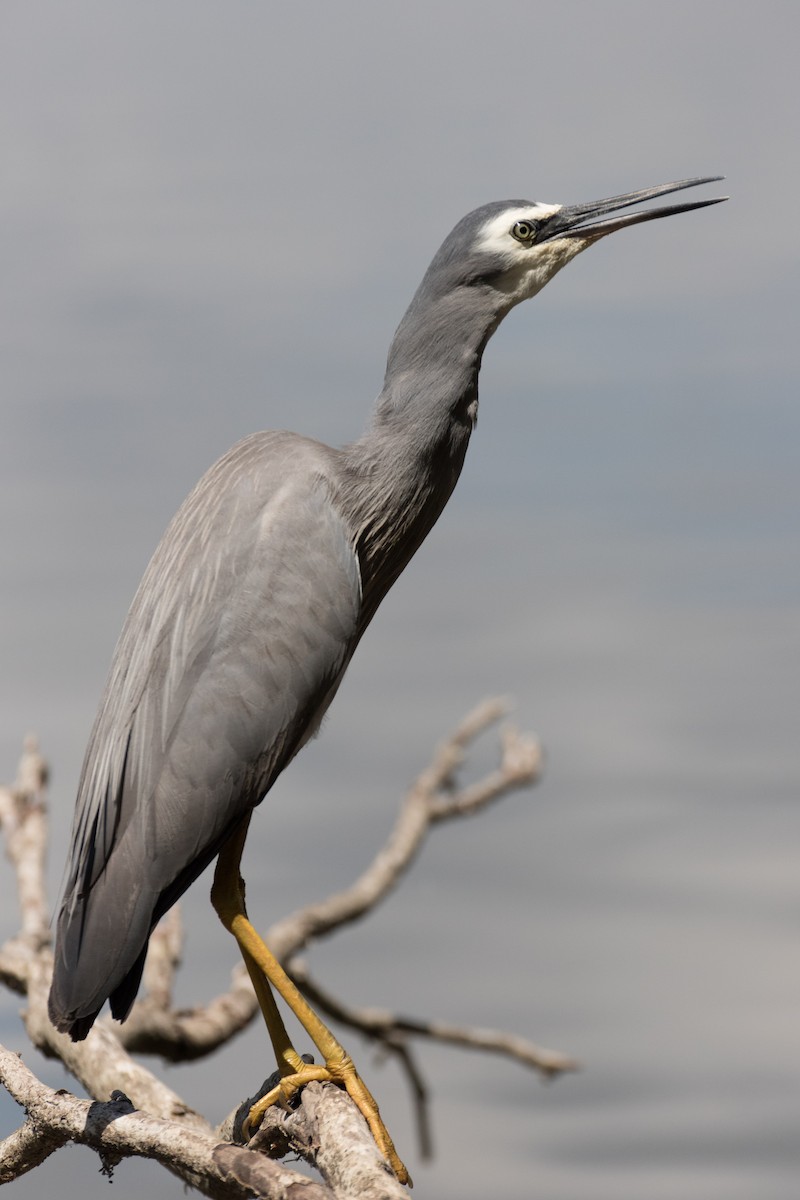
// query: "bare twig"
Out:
[390,1030]
[433,797]
[23,820]
[163,959]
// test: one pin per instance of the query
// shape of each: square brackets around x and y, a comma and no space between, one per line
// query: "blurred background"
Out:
[213,217]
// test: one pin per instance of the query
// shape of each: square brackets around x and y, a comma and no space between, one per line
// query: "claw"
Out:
[282,1095]
[344,1074]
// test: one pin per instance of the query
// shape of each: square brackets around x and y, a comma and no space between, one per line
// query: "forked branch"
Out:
[134,1112]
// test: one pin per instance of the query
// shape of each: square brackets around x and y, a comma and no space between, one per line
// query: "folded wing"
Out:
[233,648]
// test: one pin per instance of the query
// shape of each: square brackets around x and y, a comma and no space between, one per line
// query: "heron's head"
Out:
[516,246]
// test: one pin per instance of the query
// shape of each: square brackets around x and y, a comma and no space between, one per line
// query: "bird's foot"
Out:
[340,1071]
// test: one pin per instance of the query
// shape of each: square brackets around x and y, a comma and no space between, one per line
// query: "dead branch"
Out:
[433,797]
[392,1030]
[134,1113]
[117,1130]
[24,822]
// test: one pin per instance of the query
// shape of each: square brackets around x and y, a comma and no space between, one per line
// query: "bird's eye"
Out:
[523,231]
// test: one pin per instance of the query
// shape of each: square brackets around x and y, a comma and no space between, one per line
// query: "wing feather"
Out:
[233,647]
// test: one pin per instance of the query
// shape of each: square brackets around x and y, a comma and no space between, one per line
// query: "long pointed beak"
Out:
[580,220]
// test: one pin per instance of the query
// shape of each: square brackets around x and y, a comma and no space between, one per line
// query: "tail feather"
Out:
[101,944]
[101,939]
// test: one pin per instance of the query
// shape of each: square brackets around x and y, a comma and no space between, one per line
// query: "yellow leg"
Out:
[227,896]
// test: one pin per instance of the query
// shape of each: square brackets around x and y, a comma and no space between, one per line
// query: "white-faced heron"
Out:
[249,613]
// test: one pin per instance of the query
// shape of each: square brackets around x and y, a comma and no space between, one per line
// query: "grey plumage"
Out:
[259,593]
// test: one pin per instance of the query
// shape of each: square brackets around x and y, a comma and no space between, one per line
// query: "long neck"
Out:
[403,469]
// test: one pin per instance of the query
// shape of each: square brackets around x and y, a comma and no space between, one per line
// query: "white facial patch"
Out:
[496,234]
[529,266]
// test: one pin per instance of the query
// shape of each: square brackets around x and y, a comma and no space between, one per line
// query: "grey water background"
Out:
[213,217]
